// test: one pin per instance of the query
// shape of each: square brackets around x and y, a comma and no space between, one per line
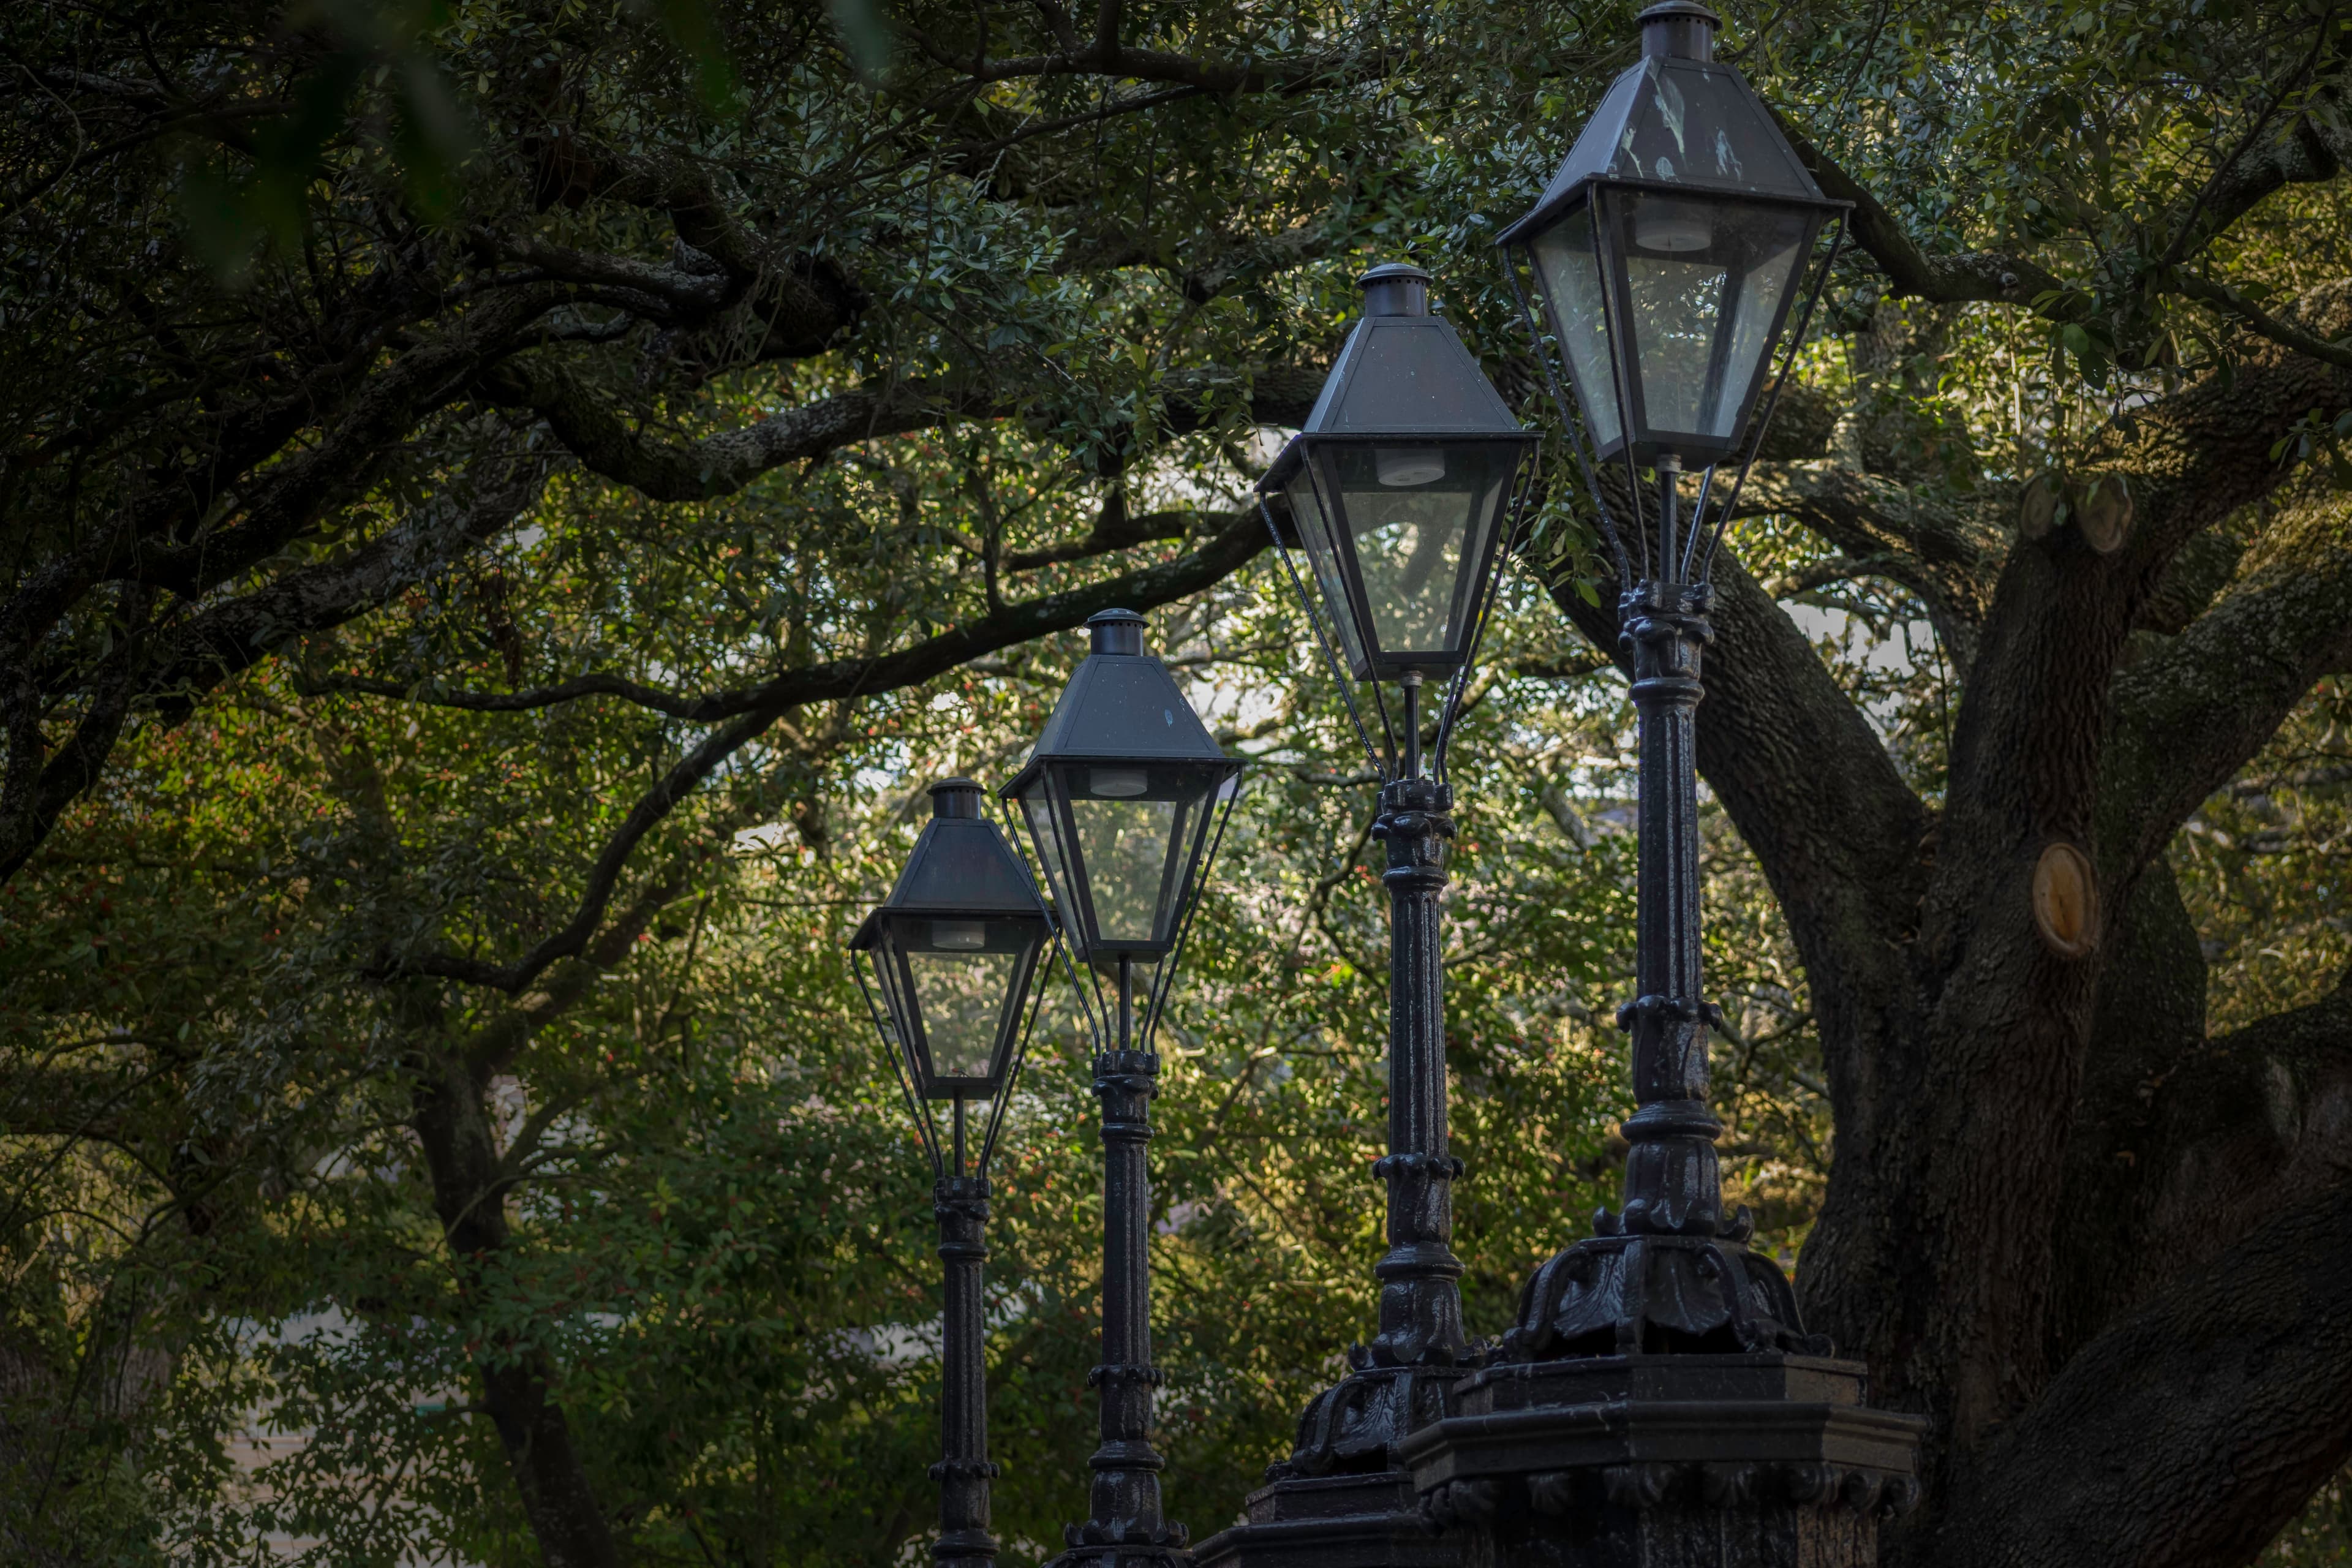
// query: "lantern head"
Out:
[1397,483]
[1670,247]
[954,948]
[1117,795]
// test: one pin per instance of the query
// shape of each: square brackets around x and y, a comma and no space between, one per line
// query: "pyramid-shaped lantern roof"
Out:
[1122,705]
[1403,371]
[1678,118]
[960,866]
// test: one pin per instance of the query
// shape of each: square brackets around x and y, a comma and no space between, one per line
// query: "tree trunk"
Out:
[470,1196]
[2104,1254]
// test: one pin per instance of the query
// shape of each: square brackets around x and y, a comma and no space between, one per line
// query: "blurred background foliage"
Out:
[228,1324]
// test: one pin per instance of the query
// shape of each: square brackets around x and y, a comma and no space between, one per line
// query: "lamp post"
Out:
[952,951]
[1398,485]
[1119,797]
[1658,1398]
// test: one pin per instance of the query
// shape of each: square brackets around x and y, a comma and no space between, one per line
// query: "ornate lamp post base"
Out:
[1340,1500]
[1658,1401]
[1370,1521]
[1757,1460]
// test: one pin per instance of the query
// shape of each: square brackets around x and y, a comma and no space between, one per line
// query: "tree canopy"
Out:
[505,505]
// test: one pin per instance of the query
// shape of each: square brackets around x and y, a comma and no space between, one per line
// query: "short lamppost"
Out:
[1399,485]
[1658,1399]
[952,951]
[1120,794]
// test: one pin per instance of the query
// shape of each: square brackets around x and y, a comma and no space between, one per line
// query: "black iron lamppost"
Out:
[1120,794]
[953,950]
[1399,486]
[1658,1399]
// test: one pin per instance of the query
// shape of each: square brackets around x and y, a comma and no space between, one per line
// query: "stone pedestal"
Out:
[1331,1521]
[1758,1460]
[1339,1501]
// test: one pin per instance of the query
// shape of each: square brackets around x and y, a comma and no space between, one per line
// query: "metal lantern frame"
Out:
[1317,458]
[1663,1327]
[963,871]
[1334,1499]
[1104,723]
[1590,181]
[1359,408]
[1606,200]
[1122,714]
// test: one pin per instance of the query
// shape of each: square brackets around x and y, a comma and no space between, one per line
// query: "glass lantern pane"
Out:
[1569,268]
[1134,827]
[1705,283]
[1046,832]
[1314,518]
[962,996]
[966,977]
[1418,518]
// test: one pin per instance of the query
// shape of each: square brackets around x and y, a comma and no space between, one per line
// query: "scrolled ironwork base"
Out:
[1615,1294]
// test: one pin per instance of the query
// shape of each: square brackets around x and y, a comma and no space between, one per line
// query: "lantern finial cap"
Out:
[1395,288]
[1117,631]
[1679,30]
[955,799]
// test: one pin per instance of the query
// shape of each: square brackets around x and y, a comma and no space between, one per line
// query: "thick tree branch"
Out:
[290,496]
[1981,275]
[1994,1061]
[1114,533]
[1867,513]
[2231,303]
[2241,1127]
[672,292]
[2190,1433]
[588,422]
[1948,554]
[2315,146]
[750,712]
[39,785]
[231,637]
[1104,56]
[453,1129]
[2184,719]
[706,709]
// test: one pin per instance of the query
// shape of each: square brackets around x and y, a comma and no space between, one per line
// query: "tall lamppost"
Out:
[1399,486]
[1658,1399]
[1120,796]
[953,951]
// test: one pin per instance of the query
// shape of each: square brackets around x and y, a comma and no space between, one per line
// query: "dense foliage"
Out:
[505,504]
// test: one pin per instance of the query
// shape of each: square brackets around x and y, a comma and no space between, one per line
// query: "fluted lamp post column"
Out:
[1658,1399]
[1398,487]
[952,951]
[1120,796]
